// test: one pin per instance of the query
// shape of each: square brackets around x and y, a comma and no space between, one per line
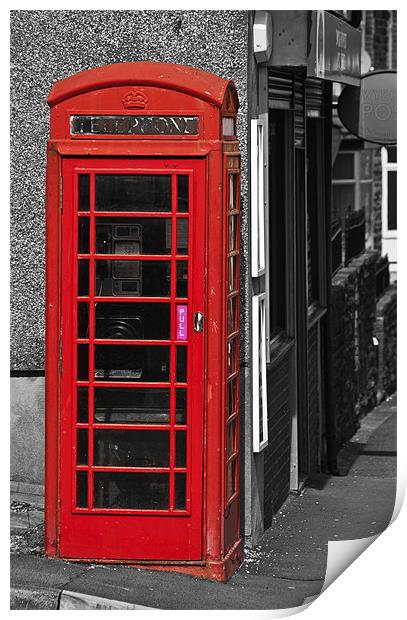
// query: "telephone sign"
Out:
[137,125]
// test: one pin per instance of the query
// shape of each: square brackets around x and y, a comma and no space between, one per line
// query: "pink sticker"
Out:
[182,315]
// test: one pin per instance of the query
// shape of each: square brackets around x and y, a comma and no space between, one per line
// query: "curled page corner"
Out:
[400,493]
[341,554]
[281,613]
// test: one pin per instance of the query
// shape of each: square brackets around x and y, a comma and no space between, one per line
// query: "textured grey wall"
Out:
[27,429]
[51,45]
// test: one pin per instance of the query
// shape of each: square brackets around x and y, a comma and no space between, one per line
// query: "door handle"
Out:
[198,321]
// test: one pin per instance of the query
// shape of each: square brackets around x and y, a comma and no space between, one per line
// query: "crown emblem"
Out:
[135,100]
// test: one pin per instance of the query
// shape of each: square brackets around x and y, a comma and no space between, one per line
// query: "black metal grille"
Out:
[286,91]
[299,112]
[336,245]
[354,235]
[314,97]
[280,90]
[382,275]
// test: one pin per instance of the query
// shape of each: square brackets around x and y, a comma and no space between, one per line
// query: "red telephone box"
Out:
[142,363]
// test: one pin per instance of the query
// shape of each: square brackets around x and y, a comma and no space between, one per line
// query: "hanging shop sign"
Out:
[370,112]
[334,49]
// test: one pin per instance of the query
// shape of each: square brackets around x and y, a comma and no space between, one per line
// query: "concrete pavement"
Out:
[283,571]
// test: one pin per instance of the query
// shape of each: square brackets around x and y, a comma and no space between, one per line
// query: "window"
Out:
[315,210]
[389,207]
[391,200]
[280,199]
[352,177]
[352,200]
[389,168]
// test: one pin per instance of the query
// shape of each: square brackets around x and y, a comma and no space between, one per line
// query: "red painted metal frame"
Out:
[175,90]
[168,534]
[178,78]
[231,524]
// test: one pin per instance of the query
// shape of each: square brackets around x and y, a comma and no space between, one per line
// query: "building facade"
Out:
[365,174]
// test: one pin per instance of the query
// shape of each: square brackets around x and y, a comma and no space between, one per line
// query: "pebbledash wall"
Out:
[50,45]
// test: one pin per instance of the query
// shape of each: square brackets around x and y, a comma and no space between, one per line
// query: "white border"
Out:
[257,141]
[386,168]
[259,319]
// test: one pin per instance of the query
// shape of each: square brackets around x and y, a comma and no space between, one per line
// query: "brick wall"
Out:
[386,334]
[364,267]
[354,362]
[394,41]
[342,335]
[369,32]
[377,200]
[381,39]
[277,453]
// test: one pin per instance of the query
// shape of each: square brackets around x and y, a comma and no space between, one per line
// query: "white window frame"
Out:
[356,180]
[389,237]
[386,168]
[257,178]
[259,372]
[358,183]
[259,157]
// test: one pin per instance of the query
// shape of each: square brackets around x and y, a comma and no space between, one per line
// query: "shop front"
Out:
[298,57]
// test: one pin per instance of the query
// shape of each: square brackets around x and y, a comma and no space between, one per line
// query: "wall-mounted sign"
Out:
[334,49]
[135,125]
[370,112]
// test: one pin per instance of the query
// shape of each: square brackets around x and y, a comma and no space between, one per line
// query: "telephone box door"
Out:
[132,359]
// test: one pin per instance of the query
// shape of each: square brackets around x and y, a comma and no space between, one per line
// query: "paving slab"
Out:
[384,439]
[24,521]
[74,601]
[296,546]
[34,598]
[42,573]
[36,582]
[32,494]
[168,590]
[374,465]
[357,505]
[375,418]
